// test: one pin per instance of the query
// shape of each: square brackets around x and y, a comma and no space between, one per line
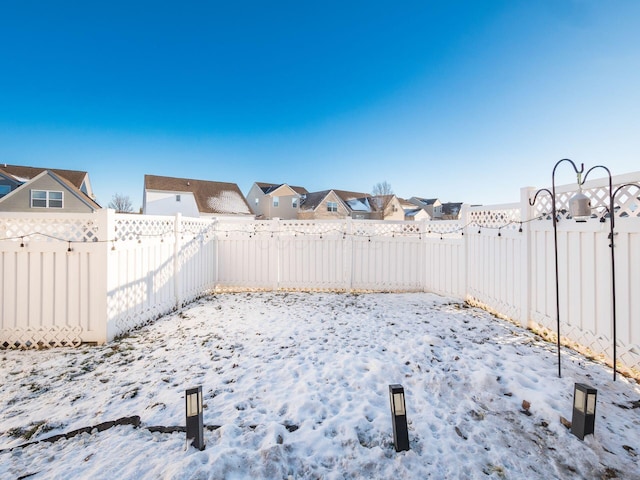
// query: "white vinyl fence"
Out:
[67,279]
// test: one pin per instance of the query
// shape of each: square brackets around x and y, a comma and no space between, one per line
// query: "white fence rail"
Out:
[67,279]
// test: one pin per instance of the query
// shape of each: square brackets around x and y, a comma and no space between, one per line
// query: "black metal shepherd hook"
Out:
[611,210]
[532,202]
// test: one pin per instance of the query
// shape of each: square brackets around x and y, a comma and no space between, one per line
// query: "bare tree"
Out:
[121,203]
[382,194]
[382,188]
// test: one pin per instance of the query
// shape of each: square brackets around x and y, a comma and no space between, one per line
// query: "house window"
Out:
[257,200]
[332,206]
[46,199]
[177,198]
[294,202]
[276,201]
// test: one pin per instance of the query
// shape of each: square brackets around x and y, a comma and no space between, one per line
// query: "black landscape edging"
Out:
[134,421]
[101,427]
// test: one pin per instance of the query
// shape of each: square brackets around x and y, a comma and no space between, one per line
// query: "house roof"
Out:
[267,188]
[353,201]
[345,196]
[311,200]
[412,212]
[73,180]
[426,201]
[24,183]
[211,197]
[406,204]
[23,174]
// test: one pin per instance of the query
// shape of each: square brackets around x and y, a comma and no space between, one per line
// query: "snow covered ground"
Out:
[298,385]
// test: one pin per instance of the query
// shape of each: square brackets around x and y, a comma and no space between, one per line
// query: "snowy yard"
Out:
[296,386]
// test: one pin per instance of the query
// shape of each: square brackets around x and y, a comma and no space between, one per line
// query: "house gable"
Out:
[269,200]
[326,204]
[51,190]
[433,206]
[78,179]
[392,208]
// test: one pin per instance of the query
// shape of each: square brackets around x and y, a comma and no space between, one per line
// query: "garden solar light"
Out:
[584,410]
[399,418]
[195,425]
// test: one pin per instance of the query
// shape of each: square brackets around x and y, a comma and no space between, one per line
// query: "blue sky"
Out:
[460,100]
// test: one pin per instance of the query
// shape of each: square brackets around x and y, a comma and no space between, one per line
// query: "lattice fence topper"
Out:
[357,228]
[626,202]
[309,227]
[389,229]
[130,227]
[41,337]
[507,219]
[50,229]
[452,229]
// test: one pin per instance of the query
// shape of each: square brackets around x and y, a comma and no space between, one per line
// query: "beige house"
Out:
[390,205]
[433,206]
[270,200]
[341,204]
[192,198]
[412,212]
[326,205]
[32,189]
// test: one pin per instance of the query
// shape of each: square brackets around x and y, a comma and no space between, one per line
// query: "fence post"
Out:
[107,279]
[464,261]
[424,253]
[215,234]
[526,214]
[348,254]
[177,273]
[276,246]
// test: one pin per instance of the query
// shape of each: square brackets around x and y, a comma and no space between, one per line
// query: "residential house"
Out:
[342,204]
[389,206]
[270,200]
[33,189]
[361,205]
[451,211]
[192,198]
[322,205]
[412,212]
[433,206]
